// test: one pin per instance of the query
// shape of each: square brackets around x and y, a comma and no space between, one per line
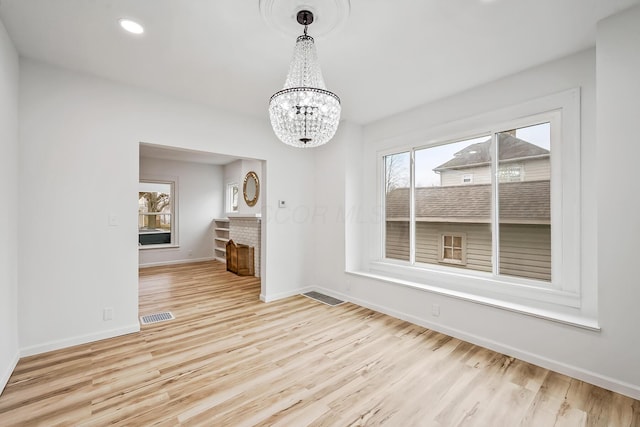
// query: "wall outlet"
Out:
[107,313]
[190,252]
[282,204]
[435,310]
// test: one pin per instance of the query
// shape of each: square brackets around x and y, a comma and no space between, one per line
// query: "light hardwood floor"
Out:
[230,360]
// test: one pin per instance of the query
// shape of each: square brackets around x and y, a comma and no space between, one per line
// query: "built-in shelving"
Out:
[221,238]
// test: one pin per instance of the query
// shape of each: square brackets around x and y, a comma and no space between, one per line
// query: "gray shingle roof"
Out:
[510,148]
[526,202]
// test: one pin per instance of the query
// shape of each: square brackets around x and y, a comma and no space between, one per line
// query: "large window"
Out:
[156,219]
[486,208]
[481,203]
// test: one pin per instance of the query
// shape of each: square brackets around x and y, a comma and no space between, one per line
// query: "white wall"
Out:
[79,139]
[235,172]
[200,198]
[608,358]
[8,208]
[337,209]
[618,190]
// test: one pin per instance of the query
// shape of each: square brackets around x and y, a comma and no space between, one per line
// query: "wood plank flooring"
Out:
[230,360]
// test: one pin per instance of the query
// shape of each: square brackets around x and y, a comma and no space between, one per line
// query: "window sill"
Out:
[537,303]
[150,247]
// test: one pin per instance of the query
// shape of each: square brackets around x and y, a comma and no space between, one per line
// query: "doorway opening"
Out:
[192,203]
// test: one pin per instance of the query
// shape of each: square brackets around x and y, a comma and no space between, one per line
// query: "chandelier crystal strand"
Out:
[304,113]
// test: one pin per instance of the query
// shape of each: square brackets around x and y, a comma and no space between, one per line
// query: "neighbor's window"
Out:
[156,213]
[232,197]
[501,224]
[452,249]
[510,173]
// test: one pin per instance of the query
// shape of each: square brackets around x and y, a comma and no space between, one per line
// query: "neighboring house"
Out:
[453,221]
[519,161]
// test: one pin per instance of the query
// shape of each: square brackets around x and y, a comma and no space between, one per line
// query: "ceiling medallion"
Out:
[330,15]
[304,113]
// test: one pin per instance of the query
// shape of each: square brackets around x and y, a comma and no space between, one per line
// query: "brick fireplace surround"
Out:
[246,231]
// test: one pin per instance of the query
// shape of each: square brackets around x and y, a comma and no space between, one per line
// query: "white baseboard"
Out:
[174,262]
[82,339]
[587,376]
[4,379]
[281,295]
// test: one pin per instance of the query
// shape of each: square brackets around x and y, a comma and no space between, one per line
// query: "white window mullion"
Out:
[412,210]
[495,205]
[382,201]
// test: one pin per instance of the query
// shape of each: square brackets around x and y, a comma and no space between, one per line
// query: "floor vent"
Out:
[325,299]
[156,317]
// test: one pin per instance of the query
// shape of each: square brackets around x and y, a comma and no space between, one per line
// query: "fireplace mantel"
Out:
[244,215]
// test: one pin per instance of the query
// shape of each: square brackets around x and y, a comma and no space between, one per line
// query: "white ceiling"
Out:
[391,56]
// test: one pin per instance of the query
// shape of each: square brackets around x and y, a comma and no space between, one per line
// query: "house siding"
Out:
[481,175]
[397,245]
[478,243]
[525,250]
[537,170]
[532,170]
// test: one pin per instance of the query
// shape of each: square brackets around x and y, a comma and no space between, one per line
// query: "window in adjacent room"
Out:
[232,197]
[156,219]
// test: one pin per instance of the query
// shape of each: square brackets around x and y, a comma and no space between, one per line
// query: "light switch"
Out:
[114,221]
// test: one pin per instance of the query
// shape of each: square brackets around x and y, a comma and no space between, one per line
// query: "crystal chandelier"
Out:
[304,113]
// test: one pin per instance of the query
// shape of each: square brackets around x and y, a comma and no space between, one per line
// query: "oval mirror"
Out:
[251,188]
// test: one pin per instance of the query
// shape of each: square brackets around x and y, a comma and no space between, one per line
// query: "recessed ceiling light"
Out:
[131,26]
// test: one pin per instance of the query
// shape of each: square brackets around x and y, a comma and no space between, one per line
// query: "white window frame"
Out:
[173,182]
[467,176]
[563,109]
